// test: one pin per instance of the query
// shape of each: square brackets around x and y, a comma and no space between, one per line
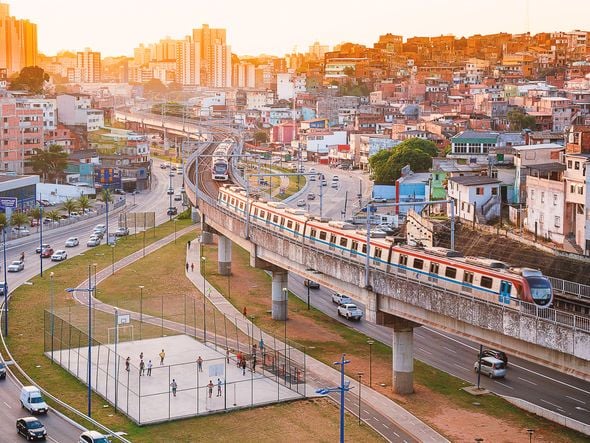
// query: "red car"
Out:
[47,252]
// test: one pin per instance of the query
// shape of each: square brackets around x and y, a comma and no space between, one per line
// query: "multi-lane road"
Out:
[547,388]
[156,199]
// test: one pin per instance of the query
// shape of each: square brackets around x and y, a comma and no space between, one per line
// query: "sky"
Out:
[115,27]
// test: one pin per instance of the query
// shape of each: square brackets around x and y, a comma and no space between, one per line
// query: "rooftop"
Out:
[537,147]
[475,180]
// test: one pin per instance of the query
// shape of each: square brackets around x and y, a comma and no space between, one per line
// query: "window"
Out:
[451,272]
[403,260]
[468,277]
[275,218]
[323,235]
[418,263]
[313,233]
[486,282]
[542,197]
[289,224]
[557,221]
[494,191]
[297,226]
[364,248]
[479,191]
[581,190]
[377,253]
[554,199]
[262,214]
[333,239]
[343,242]
[355,245]
[577,166]
[434,268]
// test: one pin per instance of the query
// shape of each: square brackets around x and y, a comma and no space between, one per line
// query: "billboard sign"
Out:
[8,202]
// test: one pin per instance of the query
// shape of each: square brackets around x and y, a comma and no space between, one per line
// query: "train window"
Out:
[364,248]
[223,197]
[403,260]
[333,239]
[289,224]
[262,214]
[468,277]
[486,282]
[433,268]
[344,242]
[297,227]
[313,233]
[232,201]
[355,245]
[377,253]
[451,272]
[418,263]
[275,218]
[282,221]
[255,212]
[323,235]
[241,205]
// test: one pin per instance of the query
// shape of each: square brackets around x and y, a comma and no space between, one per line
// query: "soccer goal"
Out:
[125,334]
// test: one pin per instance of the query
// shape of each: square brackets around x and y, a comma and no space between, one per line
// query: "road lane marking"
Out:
[500,383]
[375,418]
[528,381]
[449,349]
[552,404]
[396,434]
[425,351]
[385,425]
[575,399]
[461,367]
[365,411]
[7,405]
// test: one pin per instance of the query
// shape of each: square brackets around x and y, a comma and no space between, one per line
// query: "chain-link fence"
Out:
[237,370]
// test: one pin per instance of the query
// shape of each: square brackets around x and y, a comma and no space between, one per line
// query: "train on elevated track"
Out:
[488,279]
[221,158]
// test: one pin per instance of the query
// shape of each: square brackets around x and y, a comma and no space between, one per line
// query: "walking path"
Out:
[381,413]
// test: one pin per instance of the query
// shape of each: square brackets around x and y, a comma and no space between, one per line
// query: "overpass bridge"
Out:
[550,337]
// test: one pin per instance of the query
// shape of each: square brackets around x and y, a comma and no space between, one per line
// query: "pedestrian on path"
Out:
[149,366]
[245,312]
[254,363]
[240,358]
[244,367]
[186,266]
[141,368]
[210,387]
[227,354]
[188,244]
[254,349]
[174,386]
[218,387]
[192,267]
[200,364]
[127,363]
[140,356]
[162,355]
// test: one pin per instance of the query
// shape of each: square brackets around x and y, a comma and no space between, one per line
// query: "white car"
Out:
[16,266]
[340,299]
[101,228]
[72,242]
[350,311]
[93,437]
[170,191]
[93,241]
[21,231]
[59,255]
[301,203]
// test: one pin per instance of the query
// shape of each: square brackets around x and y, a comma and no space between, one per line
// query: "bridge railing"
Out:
[565,319]
[577,290]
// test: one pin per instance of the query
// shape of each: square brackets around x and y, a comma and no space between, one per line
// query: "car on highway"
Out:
[21,231]
[31,428]
[47,252]
[72,242]
[171,174]
[490,366]
[172,211]
[170,191]
[378,200]
[340,299]
[496,354]
[163,166]
[16,266]
[101,228]
[311,284]
[350,311]
[301,203]
[2,371]
[119,192]
[93,241]
[93,437]
[136,192]
[121,231]
[311,196]
[324,182]
[97,233]
[59,255]
[43,246]
[177,198]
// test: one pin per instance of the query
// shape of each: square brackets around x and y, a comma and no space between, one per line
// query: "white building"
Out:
[319,142]
[475,196]
[545,208]
[47,105]
[76,110]
[289,84]
[188,63]
[577,199]
[259,99]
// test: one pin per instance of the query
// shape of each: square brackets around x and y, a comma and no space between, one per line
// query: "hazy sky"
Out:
[115,27]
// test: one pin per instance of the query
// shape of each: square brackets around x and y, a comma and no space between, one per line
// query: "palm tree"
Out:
[84,203]
[70,205]
[3,221]
[34,213]
[107,197]
[19,219]
[53,215]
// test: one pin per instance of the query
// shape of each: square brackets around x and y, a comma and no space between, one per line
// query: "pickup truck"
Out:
[340,299]
[350,311]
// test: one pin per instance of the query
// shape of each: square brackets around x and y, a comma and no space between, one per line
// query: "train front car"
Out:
[219,169]
[540,288]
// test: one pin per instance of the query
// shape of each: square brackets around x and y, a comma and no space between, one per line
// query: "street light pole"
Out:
[203,259]
[370,343]
[5,282]
[308,298]
[41,241]
[174,231]
[89,380]
[286,298]
[52,321]
[140,309]
[112,259]
[360,374]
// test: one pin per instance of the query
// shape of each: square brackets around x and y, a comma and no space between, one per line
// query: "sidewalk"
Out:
[318,371]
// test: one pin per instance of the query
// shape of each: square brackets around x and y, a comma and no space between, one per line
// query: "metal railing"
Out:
[577,290]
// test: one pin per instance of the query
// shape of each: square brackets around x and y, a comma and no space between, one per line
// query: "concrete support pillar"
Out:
[279,301]
[206,236]
[224,255]
[403,356]
[195,215]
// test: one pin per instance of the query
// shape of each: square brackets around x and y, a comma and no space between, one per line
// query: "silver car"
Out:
[491,366]
[72,242]
[93,241]
[16,266]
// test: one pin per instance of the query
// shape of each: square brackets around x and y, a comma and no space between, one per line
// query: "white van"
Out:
[31,399]
[492,367]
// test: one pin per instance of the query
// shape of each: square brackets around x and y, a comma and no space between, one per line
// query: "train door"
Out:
[505,288]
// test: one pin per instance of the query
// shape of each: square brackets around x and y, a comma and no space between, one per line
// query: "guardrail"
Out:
[577,290]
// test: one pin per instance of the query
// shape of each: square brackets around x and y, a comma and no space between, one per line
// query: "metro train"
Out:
[488,279]
[220,160]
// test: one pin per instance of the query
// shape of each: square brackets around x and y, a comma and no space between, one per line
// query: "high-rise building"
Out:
[215,56]
[188,62]
[88,67]
[142,55]
[164,50]
[18,42]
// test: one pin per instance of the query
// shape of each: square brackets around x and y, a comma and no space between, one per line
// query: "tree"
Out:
[84,203]
[106,196]
[18,219]
[519,120]
[387,164]
[50,163]
[53,215]
[261,137]
[155,86]
[70,205]
[3,221]
[31,79]
[34,213]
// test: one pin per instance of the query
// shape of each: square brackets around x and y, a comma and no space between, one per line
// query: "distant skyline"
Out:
[115,27]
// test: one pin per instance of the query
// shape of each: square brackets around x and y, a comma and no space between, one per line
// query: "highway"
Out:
[544,387]
[59,429]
